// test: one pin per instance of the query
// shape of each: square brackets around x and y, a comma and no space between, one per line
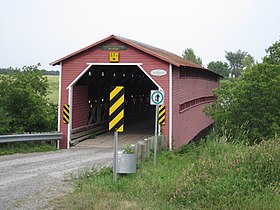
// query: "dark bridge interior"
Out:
[137,85]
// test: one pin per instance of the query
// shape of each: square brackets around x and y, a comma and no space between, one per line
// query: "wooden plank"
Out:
[81,129]
[87,127]
[83,133]
[76,141]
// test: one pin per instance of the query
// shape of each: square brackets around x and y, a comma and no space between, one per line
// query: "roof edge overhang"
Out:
[57,62]
[169,61]
[203,69]
[131,43]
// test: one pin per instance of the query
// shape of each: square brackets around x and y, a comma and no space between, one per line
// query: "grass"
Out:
[53,88]
[25,147]
[212,175]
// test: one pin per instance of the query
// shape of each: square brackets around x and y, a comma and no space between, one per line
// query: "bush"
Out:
[248,109]
[24,104]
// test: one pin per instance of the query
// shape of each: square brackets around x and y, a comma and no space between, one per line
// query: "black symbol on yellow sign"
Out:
[66,114]
[116,111]
[161,115]
[114,57]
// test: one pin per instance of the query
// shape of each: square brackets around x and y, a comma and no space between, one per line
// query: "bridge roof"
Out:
[154,51]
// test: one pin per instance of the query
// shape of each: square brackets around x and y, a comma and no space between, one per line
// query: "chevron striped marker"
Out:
[161,115]
[116,111]
[66,114]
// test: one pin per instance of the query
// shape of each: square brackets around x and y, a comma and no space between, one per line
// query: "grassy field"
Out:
[54,88]
[212,175]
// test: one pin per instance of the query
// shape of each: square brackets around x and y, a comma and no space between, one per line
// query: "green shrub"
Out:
[186,148]
[23,100]
[248,109]
[128,150]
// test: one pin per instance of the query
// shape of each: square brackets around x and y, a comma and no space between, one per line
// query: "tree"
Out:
[7,70]
[23,100]
[219,67]
[235,61]
[4,121]
[273,52]
[248,61]
[248,109]
[189,55]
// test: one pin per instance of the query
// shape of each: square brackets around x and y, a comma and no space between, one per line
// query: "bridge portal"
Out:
[87,75]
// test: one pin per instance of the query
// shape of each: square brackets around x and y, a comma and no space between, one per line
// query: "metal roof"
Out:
[154,51]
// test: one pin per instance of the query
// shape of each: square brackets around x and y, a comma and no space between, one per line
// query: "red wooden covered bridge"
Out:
[87,75]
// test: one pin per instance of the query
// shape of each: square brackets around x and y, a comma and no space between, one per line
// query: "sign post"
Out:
[157,98]
[116,120]
[115,156]
[156,137]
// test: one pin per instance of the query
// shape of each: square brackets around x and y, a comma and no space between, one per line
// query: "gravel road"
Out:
[31,181]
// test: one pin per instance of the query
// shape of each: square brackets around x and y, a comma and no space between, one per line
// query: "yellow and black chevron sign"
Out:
[66,114]
[116,111]
[161,115]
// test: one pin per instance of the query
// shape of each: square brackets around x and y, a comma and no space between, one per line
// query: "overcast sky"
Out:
[42,31]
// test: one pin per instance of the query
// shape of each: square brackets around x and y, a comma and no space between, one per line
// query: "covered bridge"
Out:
[87,75]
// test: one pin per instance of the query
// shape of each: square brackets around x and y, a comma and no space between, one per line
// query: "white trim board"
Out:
[69,127]
[142,69]
[100,64]
[59,102]
[170,106]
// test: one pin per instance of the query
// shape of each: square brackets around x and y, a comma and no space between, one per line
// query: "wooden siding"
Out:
[187,124]
[80,106]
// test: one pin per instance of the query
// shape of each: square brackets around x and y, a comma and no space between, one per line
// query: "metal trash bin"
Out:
[126,163]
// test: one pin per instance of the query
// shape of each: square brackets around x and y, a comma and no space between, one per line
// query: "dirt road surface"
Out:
[31,181]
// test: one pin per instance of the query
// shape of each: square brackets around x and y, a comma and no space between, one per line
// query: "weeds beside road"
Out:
[25,147]
[212,175]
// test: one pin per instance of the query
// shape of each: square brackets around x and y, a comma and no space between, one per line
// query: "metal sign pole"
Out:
[156,137]
[115,155]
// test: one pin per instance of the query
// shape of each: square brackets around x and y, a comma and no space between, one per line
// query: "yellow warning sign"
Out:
[161,115]
[66,114]
[116,111]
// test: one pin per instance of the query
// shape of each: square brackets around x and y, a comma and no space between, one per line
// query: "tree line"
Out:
[237,62]
[11,70]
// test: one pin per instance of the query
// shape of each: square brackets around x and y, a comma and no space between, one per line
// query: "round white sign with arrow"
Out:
[157,97]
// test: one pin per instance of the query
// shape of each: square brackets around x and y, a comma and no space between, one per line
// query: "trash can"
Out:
[126,163]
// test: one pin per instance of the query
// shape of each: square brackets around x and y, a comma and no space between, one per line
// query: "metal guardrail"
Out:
[30,137]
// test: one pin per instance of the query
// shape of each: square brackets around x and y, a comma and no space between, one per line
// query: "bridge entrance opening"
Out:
[139,114]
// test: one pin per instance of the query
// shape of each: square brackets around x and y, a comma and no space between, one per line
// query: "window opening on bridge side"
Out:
[186,73]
